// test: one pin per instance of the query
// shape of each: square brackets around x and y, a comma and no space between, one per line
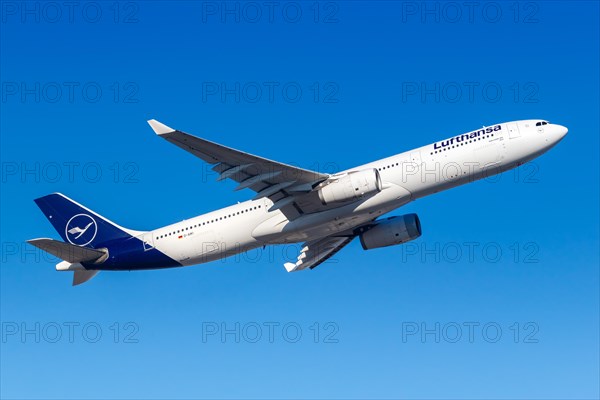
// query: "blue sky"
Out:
[498,299]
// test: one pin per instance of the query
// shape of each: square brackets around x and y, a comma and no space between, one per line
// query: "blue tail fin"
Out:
[79,225]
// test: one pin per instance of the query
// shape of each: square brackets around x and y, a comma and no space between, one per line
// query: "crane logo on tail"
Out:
[81,230]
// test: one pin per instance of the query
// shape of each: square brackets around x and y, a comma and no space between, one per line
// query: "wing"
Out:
[277,181]
[315,252]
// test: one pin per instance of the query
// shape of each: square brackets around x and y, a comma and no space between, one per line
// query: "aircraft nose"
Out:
[561,131]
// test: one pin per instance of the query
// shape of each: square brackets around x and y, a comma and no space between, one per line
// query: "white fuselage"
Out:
[406,177]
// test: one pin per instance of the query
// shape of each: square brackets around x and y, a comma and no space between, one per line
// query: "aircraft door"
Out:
[415,157]
[148,241]
[410,168]
[513,131]
[415,160]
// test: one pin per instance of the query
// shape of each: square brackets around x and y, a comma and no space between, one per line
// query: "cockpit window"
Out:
[541,123]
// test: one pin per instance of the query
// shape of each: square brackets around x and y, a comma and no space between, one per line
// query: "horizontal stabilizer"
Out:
[80,277]
[68,252]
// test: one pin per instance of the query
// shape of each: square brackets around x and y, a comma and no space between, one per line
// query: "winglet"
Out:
[159,128]
[290,267]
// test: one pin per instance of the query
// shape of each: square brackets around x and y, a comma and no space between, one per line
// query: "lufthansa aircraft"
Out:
[291,204]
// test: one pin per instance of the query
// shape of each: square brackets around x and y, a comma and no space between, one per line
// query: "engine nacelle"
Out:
[351,186]
[394,230]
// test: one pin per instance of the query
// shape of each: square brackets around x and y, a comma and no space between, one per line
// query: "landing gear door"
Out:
[148,241]
[513,131]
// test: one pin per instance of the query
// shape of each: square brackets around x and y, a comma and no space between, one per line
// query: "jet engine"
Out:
[350,186]
[391,231]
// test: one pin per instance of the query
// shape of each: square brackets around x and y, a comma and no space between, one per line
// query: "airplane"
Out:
[291,205]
